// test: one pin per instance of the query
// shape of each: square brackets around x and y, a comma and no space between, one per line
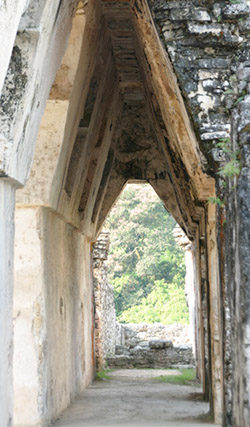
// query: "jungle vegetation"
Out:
[146,266]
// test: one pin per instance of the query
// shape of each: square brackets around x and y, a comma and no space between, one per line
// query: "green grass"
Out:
[187,377]
[103,375]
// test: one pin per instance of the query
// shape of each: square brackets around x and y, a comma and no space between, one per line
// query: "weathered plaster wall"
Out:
[10,15]
[29,317]
[33,39]
[49,142]
[68,306]
[7,204]
[36,56]
[53,316]
[208,45]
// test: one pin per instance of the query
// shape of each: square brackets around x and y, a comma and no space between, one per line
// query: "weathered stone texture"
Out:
[237,273]
[206,42]
[105,317]
[153,346]
[123,115]
[53,316]
[7,204]
[135,334]
[37,51]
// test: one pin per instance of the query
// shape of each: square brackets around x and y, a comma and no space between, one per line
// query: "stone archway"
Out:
[116,112]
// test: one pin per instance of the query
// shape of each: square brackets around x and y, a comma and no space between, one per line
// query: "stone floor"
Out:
[136,400]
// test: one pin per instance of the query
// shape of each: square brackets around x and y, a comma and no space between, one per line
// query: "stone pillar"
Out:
[215,315]
[7,206]
[29,319]
[53,315]
[237,268]
[183,241]
[105,318]
[199,314]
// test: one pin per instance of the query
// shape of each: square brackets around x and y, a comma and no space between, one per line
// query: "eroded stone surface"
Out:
[143,115]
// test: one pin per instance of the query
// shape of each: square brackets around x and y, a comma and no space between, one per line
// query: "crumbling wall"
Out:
[134,334]
[208,44]
[152,354]
[153,346]
[237,267]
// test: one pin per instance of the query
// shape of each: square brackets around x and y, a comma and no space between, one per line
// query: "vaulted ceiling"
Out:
[133,124]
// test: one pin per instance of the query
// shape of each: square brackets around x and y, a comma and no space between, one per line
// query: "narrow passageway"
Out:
[134,398]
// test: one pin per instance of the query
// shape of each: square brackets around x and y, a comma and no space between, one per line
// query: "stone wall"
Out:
[53,317]
[131,345]
[137,334]
[105,317]
[153,346]
[208,43]
[112,106]
[202,39]
[34,36]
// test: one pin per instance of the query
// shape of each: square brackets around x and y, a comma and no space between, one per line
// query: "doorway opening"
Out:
[146,267]
[146,304]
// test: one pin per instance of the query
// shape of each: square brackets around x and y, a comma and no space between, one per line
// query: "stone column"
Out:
[183,241]
[237,269]
[215,315]
[30,333]
[7,207]
[105,318]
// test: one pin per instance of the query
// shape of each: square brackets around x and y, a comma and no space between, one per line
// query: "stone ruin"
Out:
[152,346]
[94,94]
[133,346]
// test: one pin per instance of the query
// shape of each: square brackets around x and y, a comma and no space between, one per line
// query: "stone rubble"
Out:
[152,346]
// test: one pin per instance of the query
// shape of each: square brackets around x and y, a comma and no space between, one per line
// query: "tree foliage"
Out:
[146,266]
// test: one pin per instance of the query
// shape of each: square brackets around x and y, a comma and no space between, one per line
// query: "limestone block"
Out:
[160,344]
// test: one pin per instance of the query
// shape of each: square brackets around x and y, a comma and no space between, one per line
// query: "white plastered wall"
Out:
[53,356]
[17,147]
[7,204]
[53,317]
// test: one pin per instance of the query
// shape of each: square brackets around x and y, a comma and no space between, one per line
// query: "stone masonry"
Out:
[94,94]
[153,346]
[118,345]
[105,318]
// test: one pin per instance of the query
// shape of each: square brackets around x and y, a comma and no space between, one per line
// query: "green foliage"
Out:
[216,201]
[166,303]
[232,166]
[103,375]
[187,376]
[230,169]
[146,266]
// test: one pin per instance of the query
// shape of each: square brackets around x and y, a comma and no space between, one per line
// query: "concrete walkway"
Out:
[130,401]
